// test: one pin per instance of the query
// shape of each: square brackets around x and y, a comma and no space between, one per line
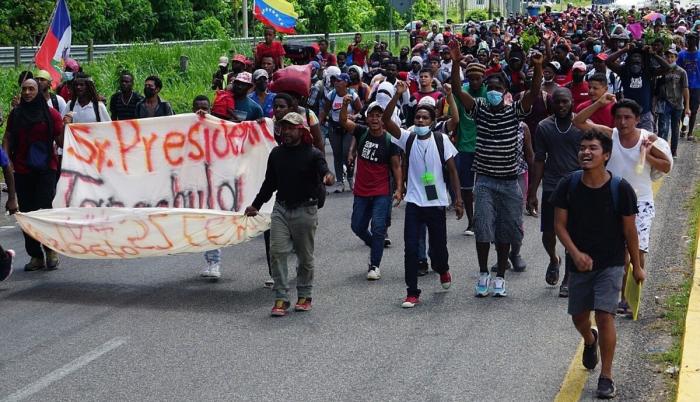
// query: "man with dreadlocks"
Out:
[86,106]
[32,129]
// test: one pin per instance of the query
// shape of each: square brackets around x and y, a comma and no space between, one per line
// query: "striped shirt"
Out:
[496,152]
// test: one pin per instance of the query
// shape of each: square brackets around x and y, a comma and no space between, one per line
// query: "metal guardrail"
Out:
[83,53]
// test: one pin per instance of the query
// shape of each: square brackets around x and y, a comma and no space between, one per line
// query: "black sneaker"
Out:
[590,353]
[387,242]
[518,263]
[606,388]
[422,267]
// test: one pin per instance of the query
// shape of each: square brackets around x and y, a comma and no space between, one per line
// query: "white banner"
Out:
[103,233]
[140,180]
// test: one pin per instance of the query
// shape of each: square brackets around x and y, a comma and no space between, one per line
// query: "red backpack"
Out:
[223,104]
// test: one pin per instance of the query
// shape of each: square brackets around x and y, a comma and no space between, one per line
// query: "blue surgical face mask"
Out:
[421,130]
[672,64]
[67,75]
[494,97]
[597,48]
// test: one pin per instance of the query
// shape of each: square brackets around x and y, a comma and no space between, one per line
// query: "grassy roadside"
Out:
[676,306]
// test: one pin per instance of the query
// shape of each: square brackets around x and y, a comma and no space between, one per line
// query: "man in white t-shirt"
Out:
[43,78]
[85,106]
[426,193]
[636,152]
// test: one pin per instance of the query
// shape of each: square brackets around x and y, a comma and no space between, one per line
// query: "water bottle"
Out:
[684,126]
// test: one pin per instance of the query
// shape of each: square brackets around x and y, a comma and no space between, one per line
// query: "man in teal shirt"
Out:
[466,141]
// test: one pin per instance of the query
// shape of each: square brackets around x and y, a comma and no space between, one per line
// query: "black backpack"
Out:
[54,102]
[95,106]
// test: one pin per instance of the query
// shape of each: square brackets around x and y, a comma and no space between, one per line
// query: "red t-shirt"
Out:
[358,55]
[563,79]
[329,59]
[373,158]
[274,50]
[36,133]
[579,92]
[602,116]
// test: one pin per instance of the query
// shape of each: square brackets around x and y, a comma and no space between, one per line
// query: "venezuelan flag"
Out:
[56,45]
[278,14]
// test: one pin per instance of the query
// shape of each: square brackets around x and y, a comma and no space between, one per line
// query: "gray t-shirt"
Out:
[671,87]
[558,148]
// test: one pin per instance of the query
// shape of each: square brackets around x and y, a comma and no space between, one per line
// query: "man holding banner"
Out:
[296,171]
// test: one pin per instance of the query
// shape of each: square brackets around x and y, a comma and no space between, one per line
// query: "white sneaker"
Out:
[482,285]
[214,270]
[374,274]
[499,287]
[206,271]
[469,231]
[269,283]
[339,187]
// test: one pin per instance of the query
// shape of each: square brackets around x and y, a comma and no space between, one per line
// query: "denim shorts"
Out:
[595,290]
[498,210]
[465,160]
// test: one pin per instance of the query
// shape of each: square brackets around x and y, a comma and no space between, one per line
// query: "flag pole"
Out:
[46,32]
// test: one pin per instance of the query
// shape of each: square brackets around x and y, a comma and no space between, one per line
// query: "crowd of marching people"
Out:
[588,106]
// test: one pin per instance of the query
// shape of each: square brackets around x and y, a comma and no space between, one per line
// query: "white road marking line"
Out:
[65,370]
[7,227]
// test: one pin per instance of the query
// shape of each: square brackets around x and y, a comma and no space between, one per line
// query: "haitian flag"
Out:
[278,14]
[56,45]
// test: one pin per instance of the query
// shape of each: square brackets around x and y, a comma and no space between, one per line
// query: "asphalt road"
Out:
[152,329]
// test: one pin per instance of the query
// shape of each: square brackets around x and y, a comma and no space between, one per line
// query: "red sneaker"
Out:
[303,304]
[280,308]
[410,302]
[446,280]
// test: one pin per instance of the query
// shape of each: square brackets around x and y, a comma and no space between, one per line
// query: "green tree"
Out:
[426,10]
[175,19]
[210,28]
[137,21]
[24,22]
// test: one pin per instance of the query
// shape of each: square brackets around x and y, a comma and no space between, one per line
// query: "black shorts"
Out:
[546,213]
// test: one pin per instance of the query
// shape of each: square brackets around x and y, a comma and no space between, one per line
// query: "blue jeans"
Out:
[435,220]
[375,209]
[213,256]
[670,119]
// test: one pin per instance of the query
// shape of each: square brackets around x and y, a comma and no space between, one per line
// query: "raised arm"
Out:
[531,95]
[612,62]
[663,68]
[454,112]
[581,119]
[464,98]
[389,124]
[347,124]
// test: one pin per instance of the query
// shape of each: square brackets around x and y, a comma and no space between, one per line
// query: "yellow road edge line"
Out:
[689,377]
[575,379]
[576,376]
